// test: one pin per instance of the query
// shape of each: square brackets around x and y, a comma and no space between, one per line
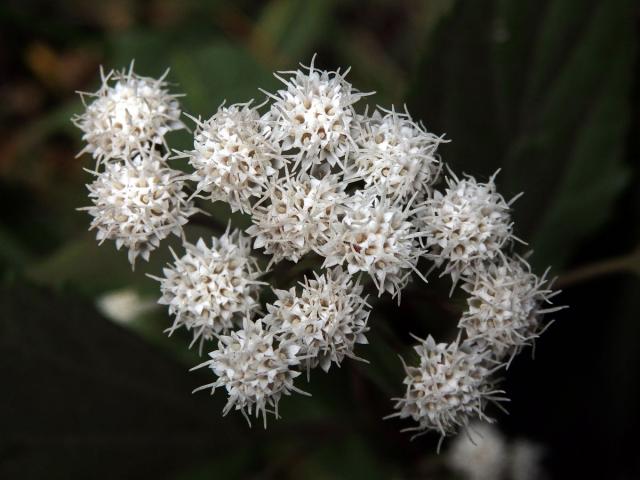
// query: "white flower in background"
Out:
[467,223]
[377,237]
[137,203]
[130,116]
[479,453]
[396,154]
[124,305]
[210,290]
[448,388]
[254,369]
[325,320]
[314,115]
[232,159]
[525,461]
[505,307]
[297,215]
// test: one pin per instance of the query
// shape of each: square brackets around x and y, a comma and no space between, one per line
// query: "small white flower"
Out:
[232,159]
[506,304]
[326,320]
[470,222]
[479,453]
[137,203]
[297,215]
[130,116]
[375,236]
[448,388]
[210,290]
[254,369]
[396,154]
[124,305]
[313,117]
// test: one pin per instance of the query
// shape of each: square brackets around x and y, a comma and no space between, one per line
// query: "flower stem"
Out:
[625,263]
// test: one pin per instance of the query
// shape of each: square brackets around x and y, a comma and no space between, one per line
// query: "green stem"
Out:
[624,263]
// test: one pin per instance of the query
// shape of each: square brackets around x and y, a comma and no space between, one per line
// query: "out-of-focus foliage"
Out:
[545,90]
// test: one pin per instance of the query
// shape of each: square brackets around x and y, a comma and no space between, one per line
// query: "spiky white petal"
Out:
[448,388]
[233,160]
[254,368]
[137,203]
[325,320]
[479,453]
[375,236]
[313,117]
[129,113]
[396,154]
[297,215]
[468,223]
[210,290]
[506,304]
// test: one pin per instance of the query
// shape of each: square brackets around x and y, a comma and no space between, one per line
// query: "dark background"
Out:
[546,90]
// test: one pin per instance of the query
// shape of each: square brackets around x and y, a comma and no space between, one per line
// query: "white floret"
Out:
[449,388]
[326,320]
[128,114]
[469,223]
[297,215]
[375,236]
[255,370]
[210,290]
[232,158]
[396,154]
[505,307]
[137,203]
[313,117]
[479,453]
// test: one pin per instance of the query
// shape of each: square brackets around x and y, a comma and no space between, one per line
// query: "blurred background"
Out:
[546,90]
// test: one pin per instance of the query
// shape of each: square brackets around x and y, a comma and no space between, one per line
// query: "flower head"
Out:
[377,237]
[396,154]
[254,369]
[137,203]
[506,304]
[232,159]
[297,215]
[479,453]
[210,290]
[466,224]
[326,320]
[131,115]
[448,388]
[313,116]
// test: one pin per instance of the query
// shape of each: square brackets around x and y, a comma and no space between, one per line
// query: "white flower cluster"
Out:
[210,290]
[505,307]
[450,386]
[137,203]
[254,368]
[132,115]
[353,193]
[138,200]
[326,320]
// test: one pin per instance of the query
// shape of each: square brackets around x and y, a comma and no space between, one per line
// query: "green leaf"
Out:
[92,269]
[216,73]
[289,30]
[544,93]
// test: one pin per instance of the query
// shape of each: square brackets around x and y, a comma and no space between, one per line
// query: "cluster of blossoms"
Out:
[356,194]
